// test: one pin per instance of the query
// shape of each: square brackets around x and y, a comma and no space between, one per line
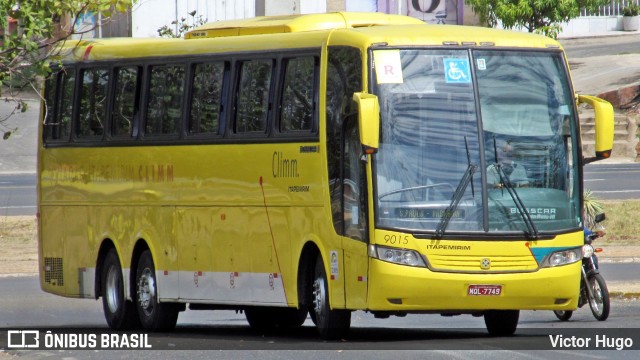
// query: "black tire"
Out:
[266,319]
[119,312]
[600,304]
[501,322]
[563,315]
[331,324]
[154,316]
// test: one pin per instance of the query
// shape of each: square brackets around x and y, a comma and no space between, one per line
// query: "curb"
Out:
[627,260]
[619,295]
[613,33]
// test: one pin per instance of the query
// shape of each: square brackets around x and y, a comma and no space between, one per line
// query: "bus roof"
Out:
[297,23]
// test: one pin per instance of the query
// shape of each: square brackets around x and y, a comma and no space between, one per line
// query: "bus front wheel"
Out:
[154,315]
[119,313]
[501,322]
[331,324]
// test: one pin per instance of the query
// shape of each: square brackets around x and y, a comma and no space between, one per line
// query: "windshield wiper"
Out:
[506,184]
[457,195]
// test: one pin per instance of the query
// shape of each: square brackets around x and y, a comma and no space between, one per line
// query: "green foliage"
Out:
[183,26]
[33,33]
[592,207]
[631,10]
[537,16]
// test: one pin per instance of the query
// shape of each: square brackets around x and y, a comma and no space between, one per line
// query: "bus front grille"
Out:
[482,264]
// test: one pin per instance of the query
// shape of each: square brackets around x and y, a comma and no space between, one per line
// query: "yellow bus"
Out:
[315,165]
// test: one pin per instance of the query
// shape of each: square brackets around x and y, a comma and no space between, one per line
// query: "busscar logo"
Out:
[23,339]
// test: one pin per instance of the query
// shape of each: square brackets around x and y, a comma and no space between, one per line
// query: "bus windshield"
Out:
[476,141]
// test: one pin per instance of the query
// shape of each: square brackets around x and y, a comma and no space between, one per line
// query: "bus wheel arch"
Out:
[105,247]
[306,266]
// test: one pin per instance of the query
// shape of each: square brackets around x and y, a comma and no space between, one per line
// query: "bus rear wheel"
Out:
[331,324]
[501,322]
[118,311]
[154,315]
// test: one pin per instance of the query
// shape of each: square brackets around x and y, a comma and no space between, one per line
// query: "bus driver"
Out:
[515,173]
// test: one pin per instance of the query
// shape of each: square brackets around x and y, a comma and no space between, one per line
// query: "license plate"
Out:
[484,290]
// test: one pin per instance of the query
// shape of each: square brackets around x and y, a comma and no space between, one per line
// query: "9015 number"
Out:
[396,239]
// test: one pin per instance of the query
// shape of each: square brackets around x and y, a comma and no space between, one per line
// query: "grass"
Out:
[17,230]
[623,222]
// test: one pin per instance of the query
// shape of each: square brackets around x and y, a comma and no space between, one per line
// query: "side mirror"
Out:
[368,121]
[604,126]
[599,218]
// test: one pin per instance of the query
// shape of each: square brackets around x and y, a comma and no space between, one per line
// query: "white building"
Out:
[147,16]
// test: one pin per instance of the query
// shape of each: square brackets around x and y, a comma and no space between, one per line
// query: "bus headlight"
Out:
[397,256]
[562,257]
[587,251]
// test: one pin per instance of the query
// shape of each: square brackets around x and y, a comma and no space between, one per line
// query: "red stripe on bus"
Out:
[87,51]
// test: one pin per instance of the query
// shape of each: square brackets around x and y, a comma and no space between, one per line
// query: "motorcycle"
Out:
[593,289]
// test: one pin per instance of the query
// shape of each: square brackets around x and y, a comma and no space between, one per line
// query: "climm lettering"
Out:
[282,167]
[155,173]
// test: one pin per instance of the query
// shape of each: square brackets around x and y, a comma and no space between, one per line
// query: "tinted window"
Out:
[93,102]
[253,96]
[125,106]
[61,129]
[50,87]
[344,77]
[297,95]
[204,116]
[165,100]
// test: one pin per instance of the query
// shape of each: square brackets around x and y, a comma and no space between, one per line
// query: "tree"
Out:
[32,35]
[539,16]
[182,26]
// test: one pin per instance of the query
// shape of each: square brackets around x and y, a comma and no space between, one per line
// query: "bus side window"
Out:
[164,109]
[93,103]
[62,128]
[297,104]
[206,98]
[252,96]
[126,101]
[354,200]
[344,77]
[50,91]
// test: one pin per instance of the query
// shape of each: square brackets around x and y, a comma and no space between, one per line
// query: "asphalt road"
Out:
[17,194]
[613,181]
[597,46]
[26,306]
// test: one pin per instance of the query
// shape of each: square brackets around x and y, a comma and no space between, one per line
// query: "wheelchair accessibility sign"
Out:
[457,71]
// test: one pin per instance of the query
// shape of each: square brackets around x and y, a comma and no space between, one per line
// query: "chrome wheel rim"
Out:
[146,291]
[113,289]
[318,296]
[596,301]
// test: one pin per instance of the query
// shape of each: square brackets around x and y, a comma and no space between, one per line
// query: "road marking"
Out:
[614,191]
[18,207]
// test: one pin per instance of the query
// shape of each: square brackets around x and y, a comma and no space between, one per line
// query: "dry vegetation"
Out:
[19,245]
[623,222]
